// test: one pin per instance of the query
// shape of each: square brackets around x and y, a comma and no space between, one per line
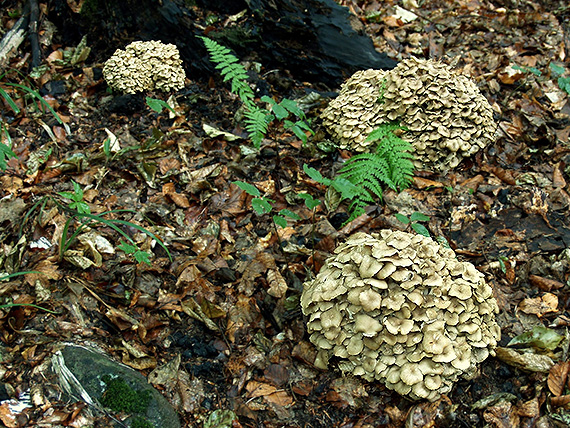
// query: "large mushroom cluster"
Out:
[446,115]
[145,66]
[400,308]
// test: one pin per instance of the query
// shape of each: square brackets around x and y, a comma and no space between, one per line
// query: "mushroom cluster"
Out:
[400,308]
[145,66]
[446,115]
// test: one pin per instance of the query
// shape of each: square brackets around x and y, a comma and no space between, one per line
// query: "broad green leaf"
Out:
[269,100]
[293,107]
[556,69]
[310,202]
[564,84]
[127,248]
[142,257]
[78,191]
[280,112]
[420,229]
[68,195]
[250,189]
[539,337]
[402,218]
[314,174]
[417,216]
[157,105]
[290,214]
[280,221]
[261,205]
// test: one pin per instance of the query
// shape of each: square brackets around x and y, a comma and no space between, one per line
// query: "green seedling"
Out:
[139,255]
[158,105]
[77,203]
[262,205]
[414,222]
[563,82]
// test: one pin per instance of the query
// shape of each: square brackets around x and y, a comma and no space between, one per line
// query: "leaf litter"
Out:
[217,327]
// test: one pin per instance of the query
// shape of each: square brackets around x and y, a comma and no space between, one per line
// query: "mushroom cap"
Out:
[446,116]
[416,335]
[145,66]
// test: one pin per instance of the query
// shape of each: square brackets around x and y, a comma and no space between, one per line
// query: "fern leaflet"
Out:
[230,69]
[256,124]
[391,165]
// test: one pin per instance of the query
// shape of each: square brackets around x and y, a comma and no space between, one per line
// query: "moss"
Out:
[120,397]
[139,422]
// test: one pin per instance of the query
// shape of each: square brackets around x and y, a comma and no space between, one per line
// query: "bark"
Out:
[313,40]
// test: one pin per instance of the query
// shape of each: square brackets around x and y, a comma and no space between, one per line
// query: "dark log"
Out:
[313,40]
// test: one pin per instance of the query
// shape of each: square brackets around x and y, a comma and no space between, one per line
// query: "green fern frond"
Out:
[390,165]
[256,124]
[230,69]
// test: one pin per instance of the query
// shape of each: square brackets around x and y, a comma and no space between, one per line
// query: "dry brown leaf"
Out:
[560,401]
[529,409]
[277,284]
[539,306]
[557,377]
[49,271]
[424,183]
[545,284]
[180,200]
[558,176]
[502,415]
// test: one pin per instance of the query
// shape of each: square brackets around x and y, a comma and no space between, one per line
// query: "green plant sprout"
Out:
[563,82]
[158,105]
[77,203]
[257,119]
[414,222]
[262,205]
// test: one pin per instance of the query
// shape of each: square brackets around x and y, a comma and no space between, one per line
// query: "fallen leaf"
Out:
[557,377]
[539,306]
[539,337]
[502,415]
[545,284]
[525,360]
[277,284]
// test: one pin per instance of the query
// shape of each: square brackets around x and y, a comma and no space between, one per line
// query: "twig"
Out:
[33,33]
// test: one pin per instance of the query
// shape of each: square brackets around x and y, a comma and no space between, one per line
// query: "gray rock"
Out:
[80,371]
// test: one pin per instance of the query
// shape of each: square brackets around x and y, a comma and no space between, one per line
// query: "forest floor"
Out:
[220,305]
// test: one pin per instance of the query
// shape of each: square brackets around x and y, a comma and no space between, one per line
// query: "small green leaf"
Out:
[401,217]
[420,229]
[157,105]
[280,112]
[314,174]
[556,69]
[67,195]
[290,214]
[417,216]
[142,257]
[280,221]
[269,100]
[539,337]
[293,107]
[78,191]
[127,248]
[310,202]
[250,189]
[261,205]
[80,207]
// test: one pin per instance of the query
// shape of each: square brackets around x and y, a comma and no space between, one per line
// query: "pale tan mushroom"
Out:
[145,66]
[416,333]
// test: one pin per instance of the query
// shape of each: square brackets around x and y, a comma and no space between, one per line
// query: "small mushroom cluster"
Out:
[401,309]
[145,66]
[446,115]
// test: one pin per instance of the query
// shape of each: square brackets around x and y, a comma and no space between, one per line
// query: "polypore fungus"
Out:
[145,66]
[446,115]
[401,309]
